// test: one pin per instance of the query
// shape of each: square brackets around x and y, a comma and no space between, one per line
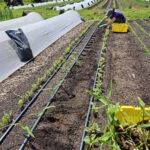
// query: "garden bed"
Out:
[19,82]
[65,123]
[141,34]
[126,73]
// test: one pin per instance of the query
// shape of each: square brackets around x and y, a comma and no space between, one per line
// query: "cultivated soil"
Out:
[145,25]
[19,82]
[129,69]
[62,127]
[142,35]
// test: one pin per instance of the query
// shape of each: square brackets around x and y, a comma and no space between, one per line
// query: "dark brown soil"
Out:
[145,25]
[129,69]
[18,83]
[61,128]
[144,37]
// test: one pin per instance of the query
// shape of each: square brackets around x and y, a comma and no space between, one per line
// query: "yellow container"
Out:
[119,27]
[131,115]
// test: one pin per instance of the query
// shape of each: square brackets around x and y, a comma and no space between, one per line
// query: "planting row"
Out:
[50,89]
[123,82]
[142,33]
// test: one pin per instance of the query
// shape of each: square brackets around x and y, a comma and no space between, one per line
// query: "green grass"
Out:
[91,14]
[42,10]
[87,14]
[134,3]
[137,13]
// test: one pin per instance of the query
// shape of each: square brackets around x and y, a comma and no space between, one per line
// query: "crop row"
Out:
[37,87]
[146,50]
[113,133]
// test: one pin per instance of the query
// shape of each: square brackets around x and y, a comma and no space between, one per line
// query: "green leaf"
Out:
[27,130]
[104,139]
[20,102]
[144,125]
[49,107]
[141,103]
[6,118]
[94,108]
[87,140]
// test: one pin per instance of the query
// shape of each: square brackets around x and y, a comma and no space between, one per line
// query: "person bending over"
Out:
[114,15]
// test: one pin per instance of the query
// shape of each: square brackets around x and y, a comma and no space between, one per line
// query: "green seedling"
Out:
[26,129]
[34,87]
[20,103]
[6,120]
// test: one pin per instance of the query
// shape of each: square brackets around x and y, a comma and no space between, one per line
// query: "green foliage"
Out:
[110,135]
[26,129]
[47,108]
[6,120]
[20,102]
[146,50]
[134,3]
[136,13]
[6,14]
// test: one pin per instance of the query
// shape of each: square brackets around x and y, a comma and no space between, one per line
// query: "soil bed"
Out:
[144,37]
[145,25]
[128,67]
[18,83]
[62,127]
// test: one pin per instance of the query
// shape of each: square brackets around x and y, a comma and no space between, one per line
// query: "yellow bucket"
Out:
[119,27]
[132,115]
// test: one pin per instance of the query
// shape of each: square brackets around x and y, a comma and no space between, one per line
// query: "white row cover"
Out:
[40,35]
[9,60]
[18,22]
[78,6]
[37,4]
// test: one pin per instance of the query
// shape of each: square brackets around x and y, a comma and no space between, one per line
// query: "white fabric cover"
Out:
[37,4]
[40,35]
[78,6]
[18,22]
[9,60]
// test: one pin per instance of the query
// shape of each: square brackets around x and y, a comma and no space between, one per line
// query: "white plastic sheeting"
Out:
[18,22]
[9,60]
[40,35]
[38,4]
[78,6]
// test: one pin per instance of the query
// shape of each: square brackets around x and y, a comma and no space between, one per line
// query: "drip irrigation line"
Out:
[91,102]
[50,100]
[6,133]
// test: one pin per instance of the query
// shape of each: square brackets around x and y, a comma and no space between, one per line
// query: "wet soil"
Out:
[61,128]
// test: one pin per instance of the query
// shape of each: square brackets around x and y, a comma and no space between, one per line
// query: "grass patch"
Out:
[87,14]
[134,3]
[137,13]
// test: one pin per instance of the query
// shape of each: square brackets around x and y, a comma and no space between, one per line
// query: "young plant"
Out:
[6,120]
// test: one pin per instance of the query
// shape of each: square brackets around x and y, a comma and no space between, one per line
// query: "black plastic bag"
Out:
[24,51]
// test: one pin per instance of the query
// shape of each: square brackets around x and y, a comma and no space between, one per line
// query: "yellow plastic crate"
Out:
[131,115]
[120,27]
